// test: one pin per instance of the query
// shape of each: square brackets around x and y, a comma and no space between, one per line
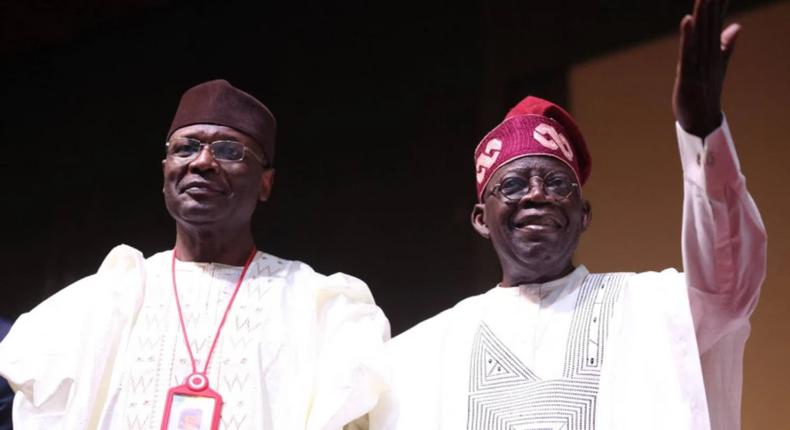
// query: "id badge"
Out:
[192,407]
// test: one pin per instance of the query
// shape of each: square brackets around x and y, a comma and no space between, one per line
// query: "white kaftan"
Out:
[614,351]
[299,350]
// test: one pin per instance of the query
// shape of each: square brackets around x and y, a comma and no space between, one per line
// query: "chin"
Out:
[535,252]
[199,214]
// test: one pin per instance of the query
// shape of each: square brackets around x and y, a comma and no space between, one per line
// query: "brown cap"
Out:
[218,102]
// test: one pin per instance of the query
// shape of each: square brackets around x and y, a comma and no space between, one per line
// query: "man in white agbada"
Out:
[553,346]
[298,350]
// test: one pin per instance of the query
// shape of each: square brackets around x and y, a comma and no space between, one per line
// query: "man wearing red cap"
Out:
[555,347]
[214,333]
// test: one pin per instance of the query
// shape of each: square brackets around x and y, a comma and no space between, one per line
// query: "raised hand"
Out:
[705,51]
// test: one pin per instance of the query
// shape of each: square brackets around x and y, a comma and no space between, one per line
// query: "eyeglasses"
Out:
[184,148]
[555,185]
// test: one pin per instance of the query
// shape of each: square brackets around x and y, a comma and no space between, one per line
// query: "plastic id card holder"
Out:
[192,410]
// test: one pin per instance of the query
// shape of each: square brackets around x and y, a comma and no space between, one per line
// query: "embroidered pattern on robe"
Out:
[504,394]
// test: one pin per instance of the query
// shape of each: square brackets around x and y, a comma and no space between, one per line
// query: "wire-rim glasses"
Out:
[186,149]
[556,185]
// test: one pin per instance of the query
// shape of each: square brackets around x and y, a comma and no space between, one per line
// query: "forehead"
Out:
[211,132]
[534,165]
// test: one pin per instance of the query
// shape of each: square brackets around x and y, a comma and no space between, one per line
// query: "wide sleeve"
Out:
[724,239]
[351,372]
[58,356]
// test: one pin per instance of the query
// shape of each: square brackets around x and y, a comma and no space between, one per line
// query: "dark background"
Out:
[379,107]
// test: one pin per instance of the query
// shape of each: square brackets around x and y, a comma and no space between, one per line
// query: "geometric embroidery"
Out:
[493,365]
[135,423]
[590,325]
[244,322]
[504,394]
[236,381]
[159,358]
[232,423]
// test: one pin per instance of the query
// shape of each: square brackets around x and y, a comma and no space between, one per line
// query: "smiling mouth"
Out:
[200,189]
[537,224]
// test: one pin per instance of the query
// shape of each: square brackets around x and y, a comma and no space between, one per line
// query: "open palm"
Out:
[705,51]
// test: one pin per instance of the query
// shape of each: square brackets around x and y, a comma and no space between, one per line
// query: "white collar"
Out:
[573,278]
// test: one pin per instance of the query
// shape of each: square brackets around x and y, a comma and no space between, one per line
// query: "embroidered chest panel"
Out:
[158,359]
[504,394]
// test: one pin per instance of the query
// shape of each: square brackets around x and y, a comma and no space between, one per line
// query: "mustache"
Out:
[529,204]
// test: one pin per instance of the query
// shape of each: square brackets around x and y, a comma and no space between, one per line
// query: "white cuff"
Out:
[711,162]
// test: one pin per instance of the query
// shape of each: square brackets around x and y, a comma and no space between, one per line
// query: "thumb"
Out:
[728,39]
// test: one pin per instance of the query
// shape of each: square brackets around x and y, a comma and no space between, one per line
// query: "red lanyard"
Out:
[199,381]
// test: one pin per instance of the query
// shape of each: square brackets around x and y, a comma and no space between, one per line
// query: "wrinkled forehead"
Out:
[214,131]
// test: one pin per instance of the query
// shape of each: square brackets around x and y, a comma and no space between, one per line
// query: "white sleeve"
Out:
[351,370]
[56,355]
[724,239]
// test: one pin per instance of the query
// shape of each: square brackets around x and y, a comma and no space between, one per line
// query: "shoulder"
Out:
[302,279]
[335,304]
[639,279]
[437,327]
[664,279]
[160,258]
[651,292]
[121,263]
[122,258]
[78,309]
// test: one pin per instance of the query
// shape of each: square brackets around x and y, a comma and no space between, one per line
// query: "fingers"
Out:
[728,39]
[703,44]
[702,31]
[687,44]
[697,5]
[729,36]
[715,19]
[708,23]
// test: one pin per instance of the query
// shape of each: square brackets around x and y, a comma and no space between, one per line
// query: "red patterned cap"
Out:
[534,127]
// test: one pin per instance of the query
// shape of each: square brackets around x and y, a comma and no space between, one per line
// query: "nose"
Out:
[204,161]
[535,192]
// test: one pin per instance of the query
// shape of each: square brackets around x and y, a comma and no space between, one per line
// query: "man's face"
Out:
[535,235]
[204,190]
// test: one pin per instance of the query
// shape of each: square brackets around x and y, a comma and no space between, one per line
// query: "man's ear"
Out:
[586,214]
[479,220]
[267,182]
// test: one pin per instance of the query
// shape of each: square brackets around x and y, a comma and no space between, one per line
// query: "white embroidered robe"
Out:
[299,350]
[612,351]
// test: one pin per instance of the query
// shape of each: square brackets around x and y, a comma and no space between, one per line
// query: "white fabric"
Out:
[299,350]
[673,345]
